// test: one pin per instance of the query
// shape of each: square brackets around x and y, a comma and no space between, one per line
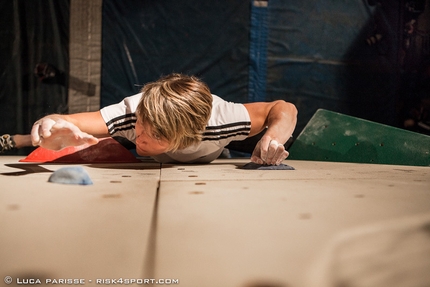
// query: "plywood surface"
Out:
[53,230]
[210,225]
[222,226]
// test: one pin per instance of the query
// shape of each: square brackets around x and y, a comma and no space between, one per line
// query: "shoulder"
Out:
[228,121]
[120,118]
[126,107]
[225,112]
[131,103]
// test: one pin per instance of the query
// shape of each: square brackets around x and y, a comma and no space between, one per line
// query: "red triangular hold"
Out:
[107,150]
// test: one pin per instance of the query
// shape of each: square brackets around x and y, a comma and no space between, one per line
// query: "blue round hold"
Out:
[71,175]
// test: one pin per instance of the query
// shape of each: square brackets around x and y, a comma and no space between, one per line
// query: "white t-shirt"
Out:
[228,122]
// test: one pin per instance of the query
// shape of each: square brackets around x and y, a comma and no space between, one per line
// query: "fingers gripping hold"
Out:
[275,153]
[269,151]
[42,129]
[57,133]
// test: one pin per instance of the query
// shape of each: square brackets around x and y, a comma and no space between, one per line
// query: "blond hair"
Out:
[177,107]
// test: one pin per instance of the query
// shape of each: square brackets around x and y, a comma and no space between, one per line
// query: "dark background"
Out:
[369,59]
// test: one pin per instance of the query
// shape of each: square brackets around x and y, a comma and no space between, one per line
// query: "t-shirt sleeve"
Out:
[120,118]
[229,122]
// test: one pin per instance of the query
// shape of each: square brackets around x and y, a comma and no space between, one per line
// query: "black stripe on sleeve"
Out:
[121,123]
[220,137]
[226,131]
[229,125]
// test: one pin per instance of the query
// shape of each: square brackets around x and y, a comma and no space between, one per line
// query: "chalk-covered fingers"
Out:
[276,153]
[258,154]
[41,129]
[268,151]
[57,133]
